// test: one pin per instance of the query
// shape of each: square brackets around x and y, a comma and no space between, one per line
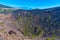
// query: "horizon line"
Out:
[31,7]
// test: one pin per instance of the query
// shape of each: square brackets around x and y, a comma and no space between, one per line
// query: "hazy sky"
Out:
[31,3]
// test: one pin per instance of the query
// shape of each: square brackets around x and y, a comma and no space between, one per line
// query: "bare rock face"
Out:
[8,30]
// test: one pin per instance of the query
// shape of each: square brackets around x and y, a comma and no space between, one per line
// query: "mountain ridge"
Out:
[4,6]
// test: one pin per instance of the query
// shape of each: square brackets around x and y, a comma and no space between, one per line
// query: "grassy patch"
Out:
[52,38]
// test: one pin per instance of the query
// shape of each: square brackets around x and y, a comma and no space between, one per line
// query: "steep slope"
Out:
[45,22]
[8,28]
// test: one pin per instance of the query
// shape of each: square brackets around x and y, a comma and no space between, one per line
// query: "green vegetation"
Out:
[26,30]
[18,18]
[31,31]
[48,18]
[52,38]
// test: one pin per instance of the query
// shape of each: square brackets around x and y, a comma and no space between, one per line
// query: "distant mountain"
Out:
[4,6]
